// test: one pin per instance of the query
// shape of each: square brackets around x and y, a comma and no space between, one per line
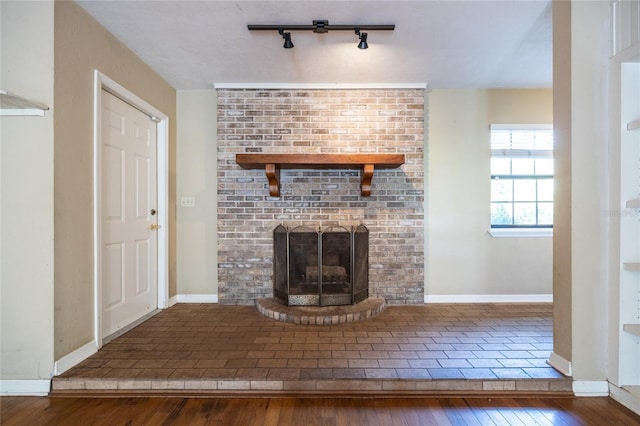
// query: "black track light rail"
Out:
[321,27]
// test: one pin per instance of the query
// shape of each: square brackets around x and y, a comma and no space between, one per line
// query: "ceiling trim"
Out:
[308,86]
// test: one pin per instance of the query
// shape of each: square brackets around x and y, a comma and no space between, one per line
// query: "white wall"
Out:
[463,259]
[197,177]
[582,286]
[624,178]
[26,222]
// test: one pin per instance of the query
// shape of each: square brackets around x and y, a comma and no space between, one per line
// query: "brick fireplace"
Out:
[321,121]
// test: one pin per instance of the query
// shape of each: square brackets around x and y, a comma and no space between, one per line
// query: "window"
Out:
[521,176]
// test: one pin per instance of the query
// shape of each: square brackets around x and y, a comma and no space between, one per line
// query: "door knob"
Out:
[154,227]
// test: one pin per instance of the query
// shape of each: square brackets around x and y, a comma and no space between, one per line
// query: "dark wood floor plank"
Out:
[459,408]
[208,409]
[513,412]
[591,412]
[486,412]
[489,409]
[440,413]
[147,410]
[286,411]
[27,410]
[372,412]
[402,413]
[612,417]
[575,411]
[386,414]
[343,415]
[105,411]
[246,412]
[49,412]
[219,408]
[190,414]
[68,412]
[422,411]
[21,407]
[272,416]
[542,414]
[205,410]
[329,410]
[559,412]
[307,413]
[623,416]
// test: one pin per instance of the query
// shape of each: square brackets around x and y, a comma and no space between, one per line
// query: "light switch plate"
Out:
[188,201]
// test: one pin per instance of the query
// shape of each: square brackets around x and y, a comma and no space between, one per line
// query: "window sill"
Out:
[521,232]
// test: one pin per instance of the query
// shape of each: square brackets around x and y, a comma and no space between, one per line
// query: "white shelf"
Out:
[632,328]
[11,104]
[632,125]
[633,204]
[634,267]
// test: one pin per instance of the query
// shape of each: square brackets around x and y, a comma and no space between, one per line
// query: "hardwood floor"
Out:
[36,411]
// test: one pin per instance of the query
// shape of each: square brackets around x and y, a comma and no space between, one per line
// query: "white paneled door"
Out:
[129,253]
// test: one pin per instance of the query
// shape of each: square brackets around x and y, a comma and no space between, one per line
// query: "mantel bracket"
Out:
[367,176]
[273,176]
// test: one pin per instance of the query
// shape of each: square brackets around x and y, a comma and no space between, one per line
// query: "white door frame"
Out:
[102,82]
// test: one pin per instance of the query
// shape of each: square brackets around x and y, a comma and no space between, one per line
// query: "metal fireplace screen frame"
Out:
[321,268]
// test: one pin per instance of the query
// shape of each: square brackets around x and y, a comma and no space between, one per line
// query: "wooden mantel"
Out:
[272,163]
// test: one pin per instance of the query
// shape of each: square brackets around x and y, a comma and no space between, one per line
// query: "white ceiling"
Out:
[446,44]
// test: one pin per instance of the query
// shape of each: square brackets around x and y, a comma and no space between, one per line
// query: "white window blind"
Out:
[518,141]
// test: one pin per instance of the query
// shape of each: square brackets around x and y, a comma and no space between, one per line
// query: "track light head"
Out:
[288,44]
[363,39]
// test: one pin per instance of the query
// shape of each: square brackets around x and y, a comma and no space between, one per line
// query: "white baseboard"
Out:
[560,364]
[590,388]
[630,400]
[488,298]
[196,298]
[25,387]
[74,358]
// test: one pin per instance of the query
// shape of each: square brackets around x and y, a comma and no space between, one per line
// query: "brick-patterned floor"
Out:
[210,346]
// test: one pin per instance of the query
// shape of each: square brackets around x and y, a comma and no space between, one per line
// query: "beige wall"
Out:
[562,212]
[463,259]
[197,177]
[81,46]
[26,176]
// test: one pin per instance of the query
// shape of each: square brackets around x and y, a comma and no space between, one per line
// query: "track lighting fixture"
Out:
[363,39]
[322,27]
[288,44]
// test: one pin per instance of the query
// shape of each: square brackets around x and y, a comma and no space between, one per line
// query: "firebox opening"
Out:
[321,268]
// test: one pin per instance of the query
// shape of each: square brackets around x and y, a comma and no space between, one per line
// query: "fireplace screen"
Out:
[321,268]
